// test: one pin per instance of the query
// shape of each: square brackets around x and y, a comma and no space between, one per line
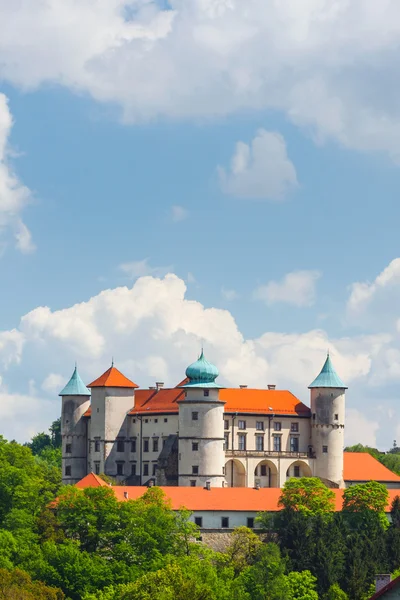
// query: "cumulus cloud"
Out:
[178,213]
[359,429]
[261,170]
[154,332]
[13,194]
[140,268]
[229,294]
[296,288]
[331,68]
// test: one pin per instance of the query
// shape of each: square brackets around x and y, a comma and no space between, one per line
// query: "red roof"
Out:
[247,400]
[215,499]
[90,480]
[113,378]
[390,586]
[361,466]
[157,401]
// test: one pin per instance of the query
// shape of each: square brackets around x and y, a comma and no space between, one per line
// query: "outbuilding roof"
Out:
[361,466]
[113,378]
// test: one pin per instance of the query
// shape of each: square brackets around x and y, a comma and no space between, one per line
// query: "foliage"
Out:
[302,585]
[17,585]
[307,494]
[365,496]
[335,593]
[47,448]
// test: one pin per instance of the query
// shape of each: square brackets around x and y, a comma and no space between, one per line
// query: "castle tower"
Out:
[113,396]
[75,402]
[327,423]
[201,428]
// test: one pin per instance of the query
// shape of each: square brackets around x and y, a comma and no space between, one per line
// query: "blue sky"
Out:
[123,165]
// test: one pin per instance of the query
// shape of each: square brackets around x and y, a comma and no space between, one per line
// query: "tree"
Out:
[302,585]
[308,495]
[266,579]
[395,512]
[335,593]
[366,497]
[243,549]
[17,585]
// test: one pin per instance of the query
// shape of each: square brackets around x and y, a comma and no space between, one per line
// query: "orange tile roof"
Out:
[361,466]
[157,401]
[219,499]
[90,480]
[113,378]
[247,400]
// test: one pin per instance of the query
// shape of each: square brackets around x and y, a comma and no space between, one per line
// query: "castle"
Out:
[200,434]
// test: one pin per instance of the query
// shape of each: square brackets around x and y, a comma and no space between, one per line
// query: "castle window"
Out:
[294,444]
[242,441]
[192,483]
[133,469]
[226,424]
[97,446]
[120,446]
[195,416]
[294,427]
[154,468]
[224,522]
[296,471]
[195,470]
[325,449]
[145,445]
[336,417]
[259,443]
[263,470]
[133,420]
[120,468]
[97,468]
[277,426]
[195,446]
[206,392]
[146,420]
[198,521]
[155,444]
[165,420]
[68,471]
[145,469]
[242,424]
[277,443]
[226,441]
[313,416]
[68,448]
[155,420]
[260,425]
[133,445]
[250,522]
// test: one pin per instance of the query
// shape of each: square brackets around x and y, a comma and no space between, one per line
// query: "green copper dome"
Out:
[75,386]
[328,378]
[202,374]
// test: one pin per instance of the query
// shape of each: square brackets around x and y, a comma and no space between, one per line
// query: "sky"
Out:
[194,173]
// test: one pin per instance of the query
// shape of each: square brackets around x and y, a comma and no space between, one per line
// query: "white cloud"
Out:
[13,194]
[296,288]
[154,332]
[229,294]
[261,170]
[178,213]
[141,268]
[330,67]
[359,429]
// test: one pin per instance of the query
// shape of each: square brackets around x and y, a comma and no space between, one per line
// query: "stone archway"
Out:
[266,474]
[299,468]
[235,473]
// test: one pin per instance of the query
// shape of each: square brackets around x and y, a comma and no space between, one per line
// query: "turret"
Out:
[201,428]
[113,396]
[327,424]
[75,402]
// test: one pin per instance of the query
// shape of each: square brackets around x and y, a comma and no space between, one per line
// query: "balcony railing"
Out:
[267,454]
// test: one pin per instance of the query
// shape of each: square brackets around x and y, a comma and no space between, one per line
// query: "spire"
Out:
[75,386]
[328,378]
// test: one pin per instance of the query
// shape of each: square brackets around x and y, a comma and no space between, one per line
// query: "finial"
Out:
[112,361]
[76,365]
[327,354]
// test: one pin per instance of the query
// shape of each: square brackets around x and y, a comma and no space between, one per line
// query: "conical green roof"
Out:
[202,373]
[328,378]
[75,386]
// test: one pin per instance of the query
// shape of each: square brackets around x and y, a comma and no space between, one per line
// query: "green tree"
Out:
[17,585]
[266,579]
[243,548]
[335,593]
[302,585]
[308,495]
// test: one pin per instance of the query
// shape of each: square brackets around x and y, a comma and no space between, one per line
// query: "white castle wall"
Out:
[73,433]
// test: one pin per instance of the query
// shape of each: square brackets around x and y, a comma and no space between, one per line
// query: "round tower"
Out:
[327,424]
[201,428]
[75,402]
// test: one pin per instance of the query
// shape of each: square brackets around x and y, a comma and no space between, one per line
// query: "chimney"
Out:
[152,387]
[271,386]
[208,485]
[243,386]
[159,385]
[381,581]
[126,495]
